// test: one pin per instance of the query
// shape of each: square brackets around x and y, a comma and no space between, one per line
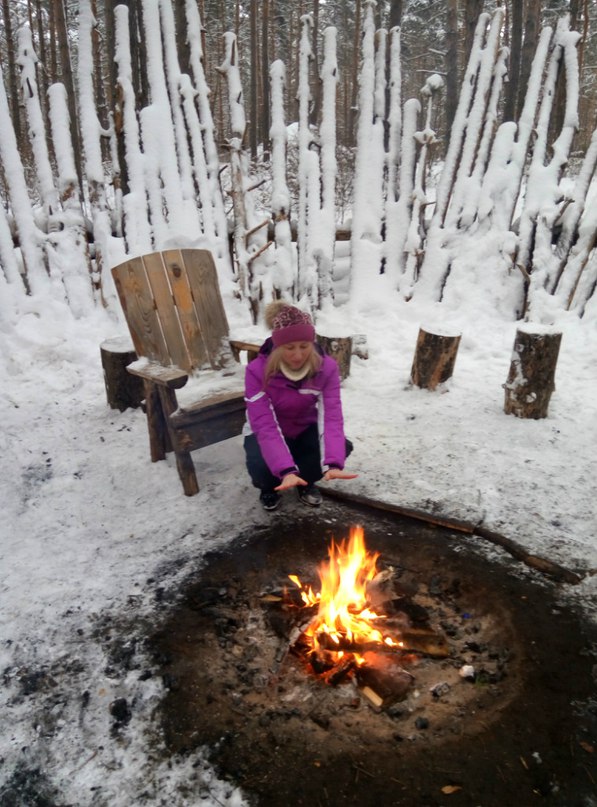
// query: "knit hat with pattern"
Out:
[288,324]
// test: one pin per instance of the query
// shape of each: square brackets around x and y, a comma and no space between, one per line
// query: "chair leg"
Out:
[156,423]
[184,462]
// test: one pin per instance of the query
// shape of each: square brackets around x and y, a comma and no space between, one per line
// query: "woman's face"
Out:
[295,354]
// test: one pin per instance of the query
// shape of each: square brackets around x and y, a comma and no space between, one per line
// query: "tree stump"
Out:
[530,381]
[340,349]
[123,390]
[434,360]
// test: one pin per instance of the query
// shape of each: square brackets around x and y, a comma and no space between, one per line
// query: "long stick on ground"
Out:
[546,567]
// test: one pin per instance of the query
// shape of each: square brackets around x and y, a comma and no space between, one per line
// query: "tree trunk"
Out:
[265,96]
[67,79]
[511,110]
[473,11]
[532,27]
[254,78]
[434,360]
[452,74]
[13,84]
[530,381]
[395,20]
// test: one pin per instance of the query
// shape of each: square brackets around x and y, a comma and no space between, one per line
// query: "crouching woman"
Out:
[294,434]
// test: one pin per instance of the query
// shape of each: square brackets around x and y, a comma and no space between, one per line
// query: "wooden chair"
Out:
[174,311]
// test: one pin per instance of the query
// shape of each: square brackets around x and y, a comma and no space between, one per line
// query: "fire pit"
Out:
[471,681]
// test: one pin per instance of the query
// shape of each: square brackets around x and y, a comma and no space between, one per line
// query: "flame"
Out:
[344,615]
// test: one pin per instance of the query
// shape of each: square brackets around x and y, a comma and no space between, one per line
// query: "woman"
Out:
[295,431]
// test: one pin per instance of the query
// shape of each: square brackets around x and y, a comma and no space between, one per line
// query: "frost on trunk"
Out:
[30,237]
[67,247]
[480,123]
[394,116]
[173,78]
[137,231]
[213,191]
[471,136]
[577,240]
[284,278]
[415,236]
[502,182]
[325,232]
[366,242]
[158,135]
[27,60]
[307,164]
[250,234]
[395,233]
[543,188]
[91,133]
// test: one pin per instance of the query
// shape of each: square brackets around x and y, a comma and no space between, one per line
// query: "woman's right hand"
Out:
[290,481]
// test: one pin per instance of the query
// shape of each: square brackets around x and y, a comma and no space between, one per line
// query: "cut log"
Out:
[434,360]
[530,382]
[340,349]
[384,676]
[123,390]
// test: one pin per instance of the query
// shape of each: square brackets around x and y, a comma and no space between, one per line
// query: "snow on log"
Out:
[530,381]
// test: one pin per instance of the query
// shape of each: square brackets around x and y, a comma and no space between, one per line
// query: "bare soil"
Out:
[522,730]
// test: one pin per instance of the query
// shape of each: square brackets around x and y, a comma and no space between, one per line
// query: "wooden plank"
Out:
[172,377]
[158,275]
[205,288]
[211,423]
[187,314]
[137,303]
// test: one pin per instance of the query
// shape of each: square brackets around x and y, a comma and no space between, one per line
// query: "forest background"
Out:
[71,81]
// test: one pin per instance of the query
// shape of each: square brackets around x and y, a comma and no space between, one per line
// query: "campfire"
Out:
[399,674]
[359,626]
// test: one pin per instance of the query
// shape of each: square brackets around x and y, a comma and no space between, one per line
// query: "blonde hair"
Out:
[274,363]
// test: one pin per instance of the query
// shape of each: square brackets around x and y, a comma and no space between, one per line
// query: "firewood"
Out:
[426,641]
[384,676]
[340,671]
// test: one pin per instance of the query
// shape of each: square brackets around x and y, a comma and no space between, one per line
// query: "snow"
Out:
[91,527]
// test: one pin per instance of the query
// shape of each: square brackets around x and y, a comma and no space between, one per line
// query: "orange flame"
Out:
[343,611]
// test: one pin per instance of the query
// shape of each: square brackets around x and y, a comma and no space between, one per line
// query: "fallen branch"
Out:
[546,567]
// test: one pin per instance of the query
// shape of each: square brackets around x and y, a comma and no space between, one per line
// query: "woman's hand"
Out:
[290,481]
[336,473]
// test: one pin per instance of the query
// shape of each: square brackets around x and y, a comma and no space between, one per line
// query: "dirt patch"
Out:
[521,730]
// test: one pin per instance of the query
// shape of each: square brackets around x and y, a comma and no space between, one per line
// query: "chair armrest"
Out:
[172,377]
[237,345]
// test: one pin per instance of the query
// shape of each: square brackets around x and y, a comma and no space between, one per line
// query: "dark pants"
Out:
[304,450]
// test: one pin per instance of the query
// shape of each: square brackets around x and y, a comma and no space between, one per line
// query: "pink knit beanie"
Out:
[288,324]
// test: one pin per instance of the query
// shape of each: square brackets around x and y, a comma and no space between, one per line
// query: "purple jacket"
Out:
[286,408]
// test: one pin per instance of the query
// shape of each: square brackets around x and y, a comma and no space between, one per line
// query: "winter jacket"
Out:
[286,408]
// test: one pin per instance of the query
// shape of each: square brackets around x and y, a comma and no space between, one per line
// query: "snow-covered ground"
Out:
[90,528]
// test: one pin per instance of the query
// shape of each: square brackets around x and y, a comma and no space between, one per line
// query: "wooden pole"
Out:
[434,360]
[530,381]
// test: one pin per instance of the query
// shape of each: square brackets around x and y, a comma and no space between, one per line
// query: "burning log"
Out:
[418,640]
[383,679]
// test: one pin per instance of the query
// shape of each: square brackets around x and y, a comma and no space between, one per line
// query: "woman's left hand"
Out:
[336,473]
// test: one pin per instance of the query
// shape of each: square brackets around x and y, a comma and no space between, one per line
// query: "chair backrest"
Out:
[173,307]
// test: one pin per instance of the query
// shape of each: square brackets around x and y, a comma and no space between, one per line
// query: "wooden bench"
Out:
[176,318]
